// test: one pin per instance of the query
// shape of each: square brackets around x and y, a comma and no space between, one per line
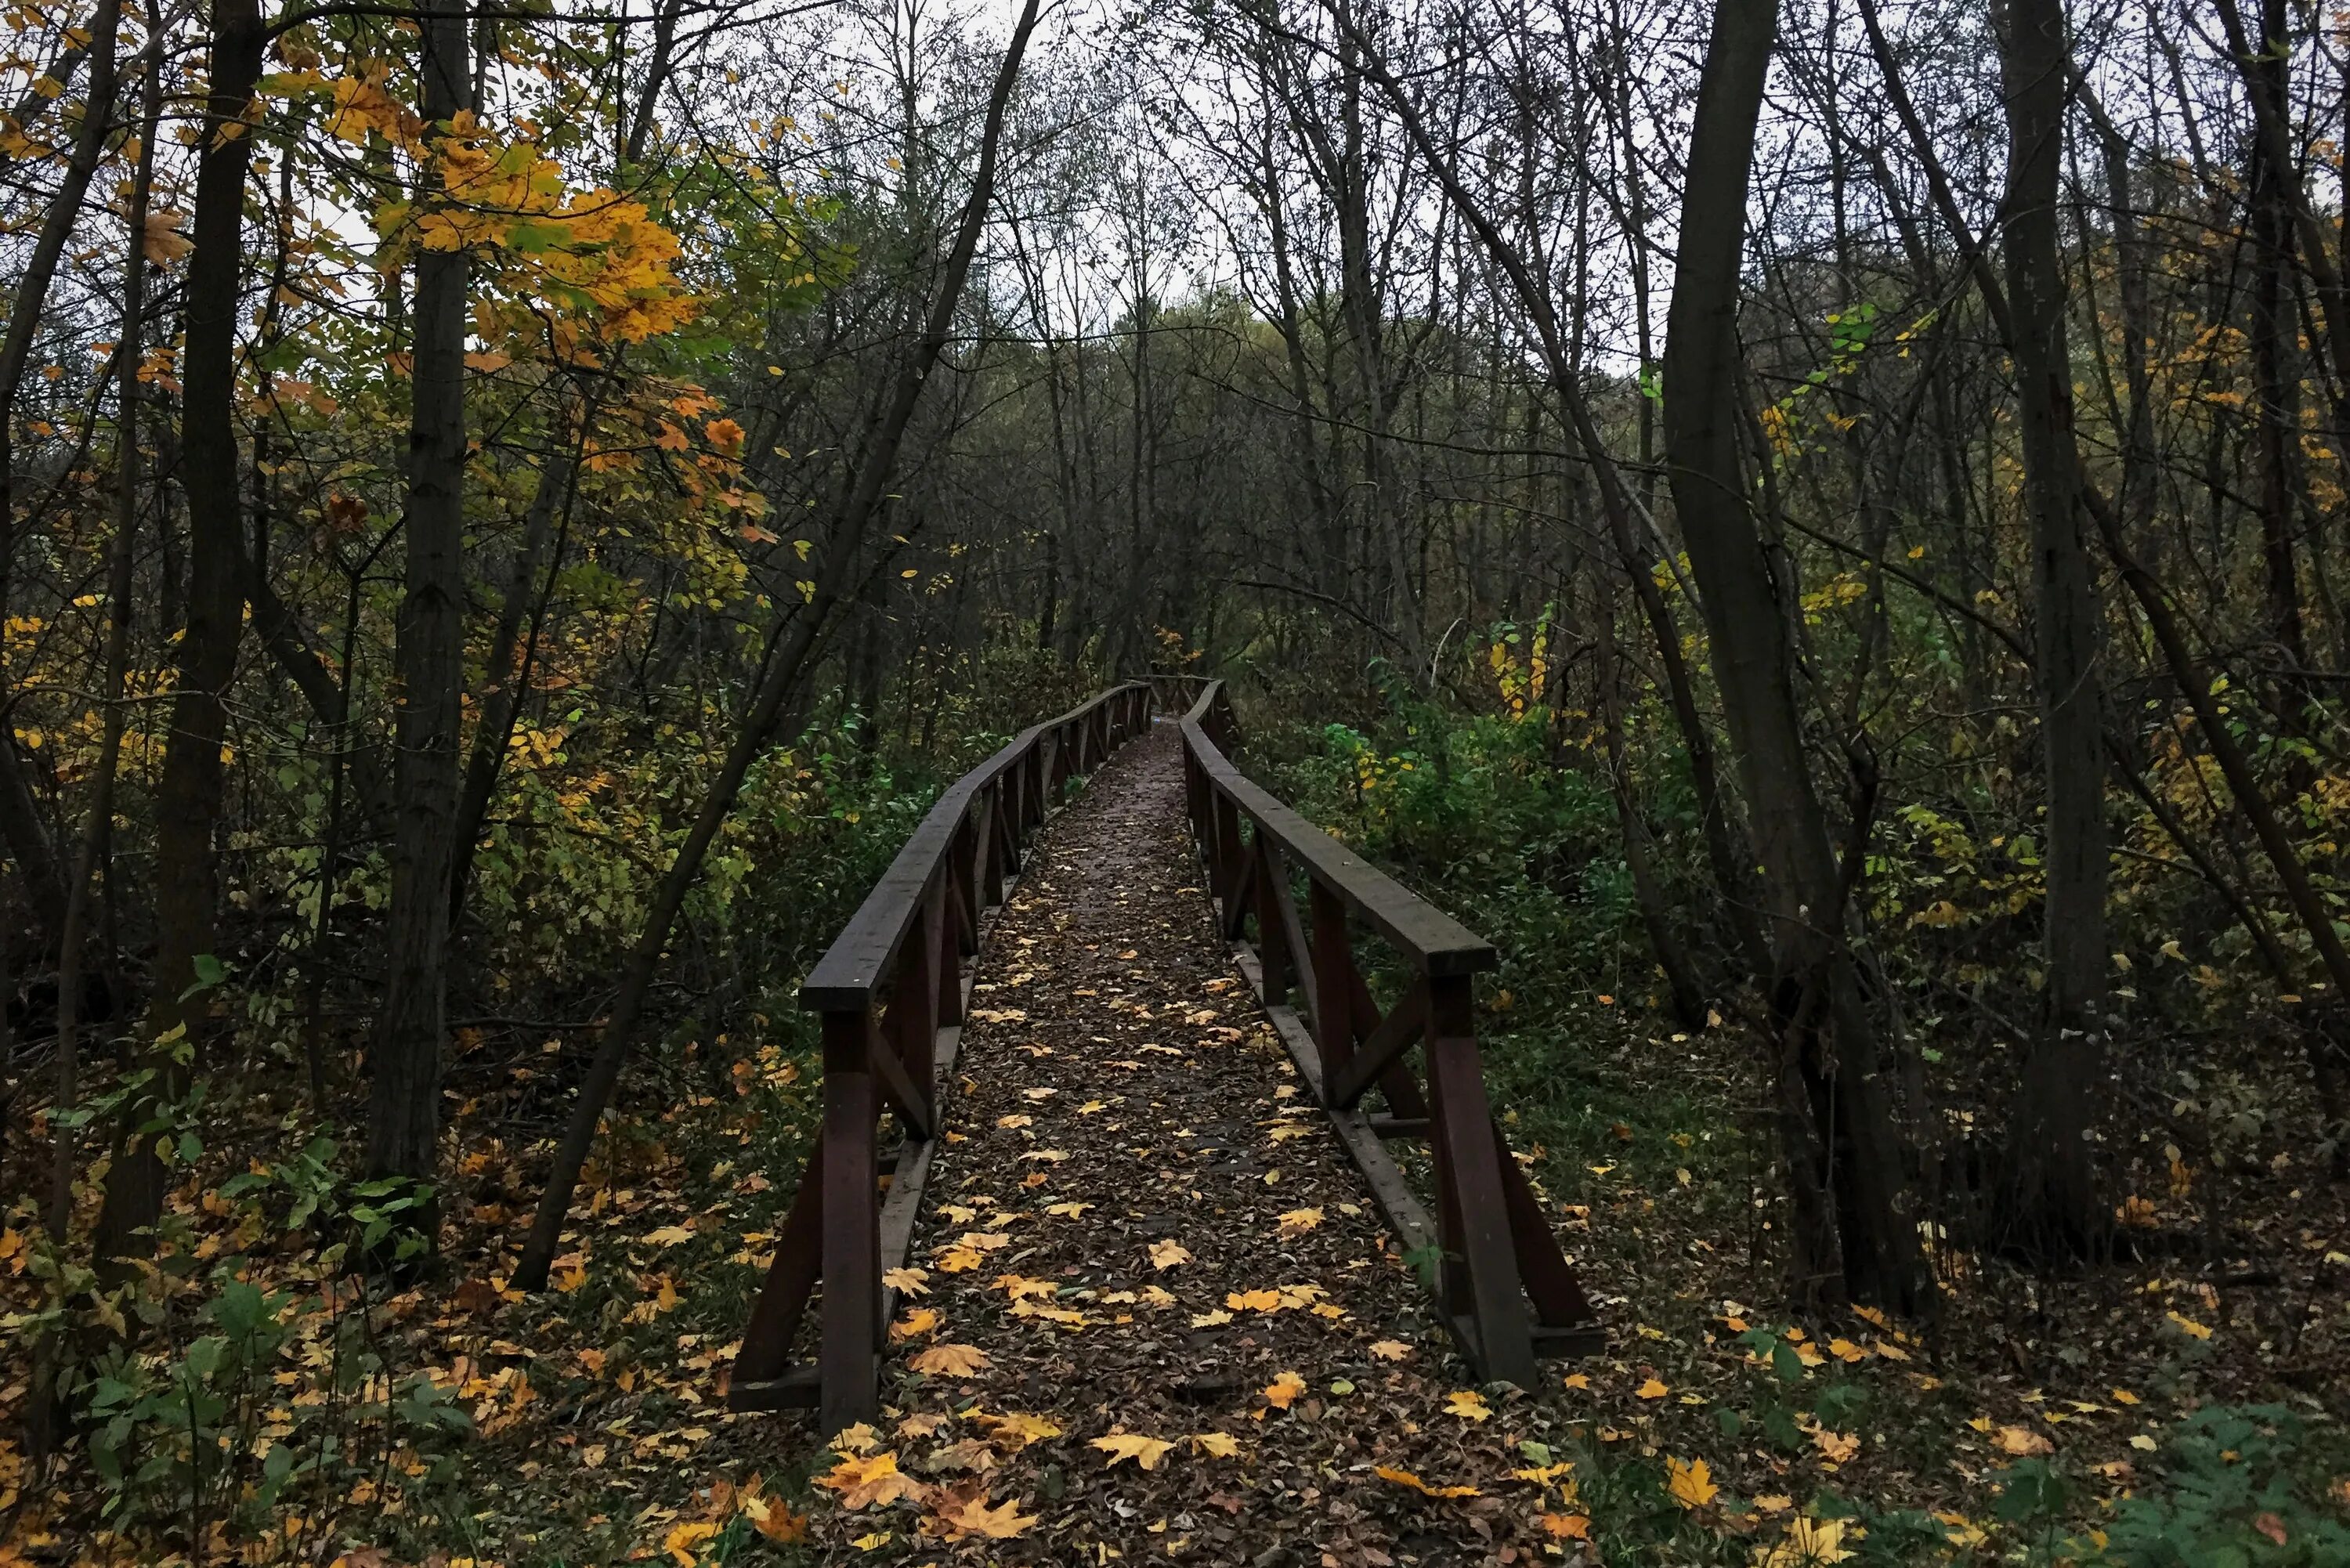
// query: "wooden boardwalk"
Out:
[1150,1295]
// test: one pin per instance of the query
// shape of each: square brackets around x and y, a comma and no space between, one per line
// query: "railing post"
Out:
[851,1319]
[1273,954]
[947,1008]
[1334,984]
[1474,1208]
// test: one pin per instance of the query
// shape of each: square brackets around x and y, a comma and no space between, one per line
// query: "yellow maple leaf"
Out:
[974,1518]
[1167,1253]
[1298,1221]
[871,1480]
[951,1360]
[1405,1477]
[1469,1404]
[1651,1389]
[680,1543]
[1691,1482]
[1018,1287]
[1144,1451]
[1390,1349]
[1253,1301]
[1014,1430]
[2021,1440]
[920,1320]
[2190,1327]
[1566,1526]
[959,1261]
[1284,1390]
[913,1281]
[1809,1543]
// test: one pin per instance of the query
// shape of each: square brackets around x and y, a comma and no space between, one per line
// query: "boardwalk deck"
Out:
[1140,1228]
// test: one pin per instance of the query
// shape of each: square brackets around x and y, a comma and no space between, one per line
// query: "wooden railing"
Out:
[1491,1247]
[891,991]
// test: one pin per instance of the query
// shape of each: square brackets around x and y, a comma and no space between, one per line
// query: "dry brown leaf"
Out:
[951,1361]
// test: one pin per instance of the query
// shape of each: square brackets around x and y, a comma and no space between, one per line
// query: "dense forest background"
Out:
[1829,545]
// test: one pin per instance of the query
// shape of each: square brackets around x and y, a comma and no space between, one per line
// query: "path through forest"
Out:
[1153,1314]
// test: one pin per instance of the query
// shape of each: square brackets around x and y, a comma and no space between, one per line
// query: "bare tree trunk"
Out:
[188,797]
[2051,1163]
[1853,1230]
[404,1106]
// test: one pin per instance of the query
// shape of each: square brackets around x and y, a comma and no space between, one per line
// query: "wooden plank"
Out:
[1396,1034]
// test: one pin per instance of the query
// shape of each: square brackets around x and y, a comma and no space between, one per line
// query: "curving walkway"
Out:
[1150,1315]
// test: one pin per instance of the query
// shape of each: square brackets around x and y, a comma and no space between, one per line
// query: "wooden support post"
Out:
[1273,950]
[1469,1173]
[1550,1279]
[783,1300]
[1334,984]
[944,933]
[851,1318]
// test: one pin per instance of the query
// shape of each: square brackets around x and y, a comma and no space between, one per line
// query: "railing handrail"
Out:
[855,966]
[1434,942]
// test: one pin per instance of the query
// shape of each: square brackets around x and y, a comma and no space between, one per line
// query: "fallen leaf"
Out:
[1216,1445]
[951,1360]
[1144,1451]
[681,1541]
[1566,1526]
[1808,1543]
[1013,1431]
[975,1518]
[1284,1390]
[920,1320]
[1691,1482]
[1405,1477]
[869,1480]
[1390,1349]
[1298,1221]
[1653,1389]
[2019,1440]
[1469,1404]
[1167,1253]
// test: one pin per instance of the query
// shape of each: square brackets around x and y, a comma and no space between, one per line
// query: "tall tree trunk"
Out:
[2051,1158]
[98,829]
[188,797]
[404,1106]
[1854,1231]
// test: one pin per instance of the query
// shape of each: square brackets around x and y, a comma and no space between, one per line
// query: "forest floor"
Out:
[1158,1322]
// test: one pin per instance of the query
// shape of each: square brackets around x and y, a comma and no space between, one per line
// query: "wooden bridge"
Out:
[895,992]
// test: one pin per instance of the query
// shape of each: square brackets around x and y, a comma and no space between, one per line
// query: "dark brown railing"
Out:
[1490,1244]
[891,991]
